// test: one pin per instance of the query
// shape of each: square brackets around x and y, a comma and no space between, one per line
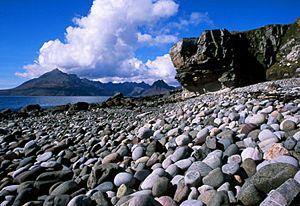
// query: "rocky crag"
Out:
[220,58]
[239,147]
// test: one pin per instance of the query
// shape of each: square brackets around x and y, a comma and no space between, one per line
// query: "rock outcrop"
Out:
[219,58]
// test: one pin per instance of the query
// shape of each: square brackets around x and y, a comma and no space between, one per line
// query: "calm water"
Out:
[17,102]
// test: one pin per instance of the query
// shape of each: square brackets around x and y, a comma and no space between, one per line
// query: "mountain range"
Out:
[58,83]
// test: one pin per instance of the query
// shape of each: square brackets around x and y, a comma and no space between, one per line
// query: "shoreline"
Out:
[217,148]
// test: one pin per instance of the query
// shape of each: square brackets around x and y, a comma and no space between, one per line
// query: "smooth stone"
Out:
[145,200]
[201,167]
[153,160]
[252,153]
[274,198]
[141,175]
[234,116]
[137,153]
[266,134]
[160,187]
[67,187]
[182,192]
[191,203]
[248,194]
[274,151]
[289,189]
[207,196]
[180,153]
[24,196]
[111,158]
[267,110]
[104,187]
[254,134]
[225,142]
[175,180]
[286,159]
[266,144]
[123,151]
[20,170]
[145,132]
[289,143]
[26,161]
[148,183]
[280,159]
[213,159]
[166,201]
[273,175]
[124,190]
[231,150]
[142,160]
[275,127]
[183,164]
[284,194]
[297,136]
[123,178]
[211,142]
[215,178]
[230,169]
[192,178]
[173,132]
[297,147]
[221,198]
[44,157]
[81,200]
[297,177]
[151,148]
[256,119]
[249,166]
[99,198]
[52,175]
[50,164]
[237,159]
[201,135]
[224,187]
[287,125]
[30,144]
[182,140]
[167,162]
[29,175]
[10,188]
[247,128]
[232,197]
[194,194]
[159,171]
[142,192]
[59,200]
[172,170]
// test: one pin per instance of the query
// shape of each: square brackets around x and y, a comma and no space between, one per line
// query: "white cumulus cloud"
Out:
[157,40]
[159,68]
[103,43]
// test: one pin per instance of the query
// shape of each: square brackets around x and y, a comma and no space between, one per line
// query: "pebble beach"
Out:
[232,147]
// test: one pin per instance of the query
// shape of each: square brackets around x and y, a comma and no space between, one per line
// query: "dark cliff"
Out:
[219,58]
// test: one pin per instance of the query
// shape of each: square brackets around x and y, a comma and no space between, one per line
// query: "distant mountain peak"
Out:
[160,84]
[59,83]
[56,71]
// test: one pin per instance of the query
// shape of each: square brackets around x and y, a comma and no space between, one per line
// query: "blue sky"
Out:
[124,41]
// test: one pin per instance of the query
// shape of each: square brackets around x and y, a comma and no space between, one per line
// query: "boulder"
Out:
[220,58]
[273,175]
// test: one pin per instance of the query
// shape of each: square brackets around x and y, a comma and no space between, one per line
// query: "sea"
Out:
[18,102]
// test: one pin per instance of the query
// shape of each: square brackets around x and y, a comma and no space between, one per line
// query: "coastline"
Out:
[210,148]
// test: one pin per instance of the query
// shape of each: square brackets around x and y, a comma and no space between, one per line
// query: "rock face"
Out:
[221,58]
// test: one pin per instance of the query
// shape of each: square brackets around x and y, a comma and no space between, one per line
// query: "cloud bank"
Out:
[102,45]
